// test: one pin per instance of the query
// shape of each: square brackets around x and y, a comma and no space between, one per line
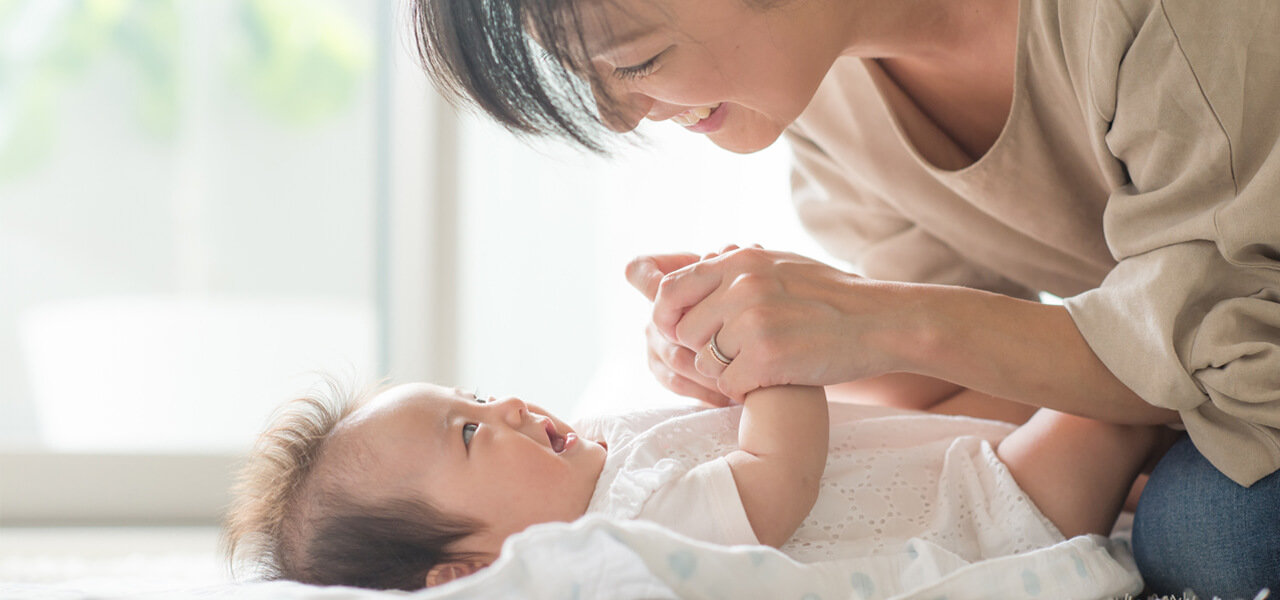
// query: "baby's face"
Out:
[503,462]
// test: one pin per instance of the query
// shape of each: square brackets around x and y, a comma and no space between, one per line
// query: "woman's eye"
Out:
[468,430]
[638,71]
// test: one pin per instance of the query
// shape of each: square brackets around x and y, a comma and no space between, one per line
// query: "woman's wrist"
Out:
[971,337]
[905,334]
[936,324]
[1014,349]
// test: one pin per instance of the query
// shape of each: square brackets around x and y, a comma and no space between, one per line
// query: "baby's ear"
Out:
[445,572]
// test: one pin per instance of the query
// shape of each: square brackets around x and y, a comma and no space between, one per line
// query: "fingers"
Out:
[687,388]
[734,380]
[673,366]
[646,272]
[696,327]
[711,255]
[684,321]
[690,286]
[681,290]
[708,364]
[737,381]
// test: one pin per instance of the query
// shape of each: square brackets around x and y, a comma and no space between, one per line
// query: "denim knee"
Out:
[1196,529]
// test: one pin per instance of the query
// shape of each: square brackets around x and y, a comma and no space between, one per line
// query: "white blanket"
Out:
[595,557]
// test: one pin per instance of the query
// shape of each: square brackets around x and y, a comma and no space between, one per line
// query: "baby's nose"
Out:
[513,409]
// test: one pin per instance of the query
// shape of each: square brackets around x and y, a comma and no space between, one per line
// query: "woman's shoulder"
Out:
[1107,41]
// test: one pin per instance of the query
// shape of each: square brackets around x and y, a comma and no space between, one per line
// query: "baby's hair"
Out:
[293,515]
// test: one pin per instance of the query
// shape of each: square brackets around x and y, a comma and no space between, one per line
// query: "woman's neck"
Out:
[953,58]
[946,34]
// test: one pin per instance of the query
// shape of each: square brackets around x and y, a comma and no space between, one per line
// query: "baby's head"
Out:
[411,486]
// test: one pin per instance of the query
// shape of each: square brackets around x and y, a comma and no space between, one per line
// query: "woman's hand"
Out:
[784,319]
[671,363]
[781,318]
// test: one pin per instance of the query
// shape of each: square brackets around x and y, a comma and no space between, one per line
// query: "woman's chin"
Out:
[745,142]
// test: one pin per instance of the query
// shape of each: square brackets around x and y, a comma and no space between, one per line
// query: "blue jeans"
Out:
[1197,529]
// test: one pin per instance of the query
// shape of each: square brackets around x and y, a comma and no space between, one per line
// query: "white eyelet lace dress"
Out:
[891,476]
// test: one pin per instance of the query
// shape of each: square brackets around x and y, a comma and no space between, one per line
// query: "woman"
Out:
[966,155]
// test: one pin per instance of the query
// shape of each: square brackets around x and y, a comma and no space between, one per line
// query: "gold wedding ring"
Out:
[716,353]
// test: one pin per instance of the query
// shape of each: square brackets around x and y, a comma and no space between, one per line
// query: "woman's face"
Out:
[757,68]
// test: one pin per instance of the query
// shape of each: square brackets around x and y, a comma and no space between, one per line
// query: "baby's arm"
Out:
[783,439]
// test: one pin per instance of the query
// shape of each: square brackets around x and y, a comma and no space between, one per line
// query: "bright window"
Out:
[187,215]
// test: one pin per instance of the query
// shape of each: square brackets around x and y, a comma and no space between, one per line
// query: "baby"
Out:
[418,485]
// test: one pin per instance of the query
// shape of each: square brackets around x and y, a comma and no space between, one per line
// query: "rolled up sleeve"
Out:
[1190,317]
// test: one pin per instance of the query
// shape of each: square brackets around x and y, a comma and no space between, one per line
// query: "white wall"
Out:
[545,309]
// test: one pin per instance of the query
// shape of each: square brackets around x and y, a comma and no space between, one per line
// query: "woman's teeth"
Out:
[691,117]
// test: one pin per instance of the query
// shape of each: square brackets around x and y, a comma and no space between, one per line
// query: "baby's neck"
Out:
[586,507]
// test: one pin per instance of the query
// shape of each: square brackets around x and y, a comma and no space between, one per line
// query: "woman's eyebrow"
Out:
[621,43]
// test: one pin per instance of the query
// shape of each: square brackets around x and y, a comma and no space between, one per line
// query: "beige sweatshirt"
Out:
[1138,176]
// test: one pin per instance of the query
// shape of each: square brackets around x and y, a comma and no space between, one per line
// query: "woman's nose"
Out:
[626,112]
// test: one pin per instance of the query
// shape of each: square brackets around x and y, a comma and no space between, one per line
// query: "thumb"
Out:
[645,272]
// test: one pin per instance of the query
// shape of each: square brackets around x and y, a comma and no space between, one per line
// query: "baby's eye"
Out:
[468,430]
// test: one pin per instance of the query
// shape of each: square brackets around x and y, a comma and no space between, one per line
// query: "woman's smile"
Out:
[706,119]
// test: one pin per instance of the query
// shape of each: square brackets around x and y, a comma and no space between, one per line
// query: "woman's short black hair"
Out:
[482,54]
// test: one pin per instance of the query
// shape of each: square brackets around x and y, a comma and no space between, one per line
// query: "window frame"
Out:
[416,214]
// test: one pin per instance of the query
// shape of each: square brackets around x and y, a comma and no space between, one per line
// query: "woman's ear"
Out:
[445,572]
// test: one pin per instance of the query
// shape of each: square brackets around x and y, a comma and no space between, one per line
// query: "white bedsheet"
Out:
[598,558]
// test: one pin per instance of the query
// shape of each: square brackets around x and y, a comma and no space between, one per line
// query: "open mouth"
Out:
[557,440]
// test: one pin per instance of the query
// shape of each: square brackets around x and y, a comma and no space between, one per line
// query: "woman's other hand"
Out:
[780,317]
